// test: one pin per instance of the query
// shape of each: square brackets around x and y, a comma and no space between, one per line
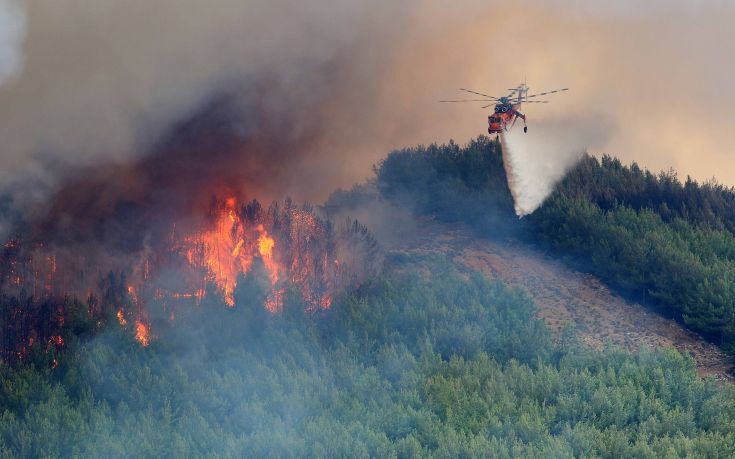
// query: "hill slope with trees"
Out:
[425,359]
[406,366]
[647,235]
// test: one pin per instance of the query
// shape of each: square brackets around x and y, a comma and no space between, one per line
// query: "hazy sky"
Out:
[650,81]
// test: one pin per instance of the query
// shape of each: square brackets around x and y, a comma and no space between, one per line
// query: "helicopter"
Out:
[507,108]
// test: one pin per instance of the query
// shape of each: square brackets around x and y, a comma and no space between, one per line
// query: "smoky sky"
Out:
[339,84]
[12,33]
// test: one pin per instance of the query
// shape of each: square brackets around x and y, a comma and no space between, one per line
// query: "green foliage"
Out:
[460,184]
[608,183]
[651,236]
[411,364]
[407,366]
[686,269]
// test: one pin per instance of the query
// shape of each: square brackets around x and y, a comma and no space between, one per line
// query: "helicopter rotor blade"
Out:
[478,93]
[467,100]
[547,92]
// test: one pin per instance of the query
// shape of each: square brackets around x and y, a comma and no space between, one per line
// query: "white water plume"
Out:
[536,161]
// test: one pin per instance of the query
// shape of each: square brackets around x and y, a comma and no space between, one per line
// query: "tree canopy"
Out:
[406,366]
[668,243]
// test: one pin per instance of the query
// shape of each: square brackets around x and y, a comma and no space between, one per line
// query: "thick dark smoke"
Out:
[103,82]
[234,145]
[106,85]
[127,133]
[112,217]
[316,92]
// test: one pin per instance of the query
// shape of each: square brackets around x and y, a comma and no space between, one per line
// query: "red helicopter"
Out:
[507,108]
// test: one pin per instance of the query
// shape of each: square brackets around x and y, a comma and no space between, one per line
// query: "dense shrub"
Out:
[406,366]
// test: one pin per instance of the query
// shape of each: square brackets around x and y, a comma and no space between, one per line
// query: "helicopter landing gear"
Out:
[525,129]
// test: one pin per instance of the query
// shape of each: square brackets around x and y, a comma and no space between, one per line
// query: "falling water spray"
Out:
[535,162]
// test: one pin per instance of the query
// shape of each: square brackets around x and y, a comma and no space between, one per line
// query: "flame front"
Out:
[265,249]
[228,247]
[142,334]
[296,250]
[225,249]
[221,247]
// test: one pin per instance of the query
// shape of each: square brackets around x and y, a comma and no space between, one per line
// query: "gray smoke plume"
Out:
[104,81]
[108,86]
[12,34]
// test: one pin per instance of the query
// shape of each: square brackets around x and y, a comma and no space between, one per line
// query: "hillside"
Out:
[426,360]
[434,327]
[648,236]
[566,297]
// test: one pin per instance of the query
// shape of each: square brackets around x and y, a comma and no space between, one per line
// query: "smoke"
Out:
[536,161]
[12,34]
[166,103]
[318,95]
[104,81]
[623,62]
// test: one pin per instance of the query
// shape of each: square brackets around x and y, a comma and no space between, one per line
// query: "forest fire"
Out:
[228,249]
[121,318]
[265,248]
[146,244]
[285,246]
[142,334]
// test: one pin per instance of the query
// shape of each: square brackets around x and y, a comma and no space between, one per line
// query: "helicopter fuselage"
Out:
[504,114]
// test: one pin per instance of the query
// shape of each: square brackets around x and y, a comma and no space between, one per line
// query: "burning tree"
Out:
[285,245]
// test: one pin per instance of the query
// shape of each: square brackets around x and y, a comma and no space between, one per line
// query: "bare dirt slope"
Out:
[565,296]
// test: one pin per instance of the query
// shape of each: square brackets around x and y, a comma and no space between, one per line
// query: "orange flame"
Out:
[223,251]
[228,250]
[265,248]
[133,295]
[142,334]
[297,249]
[121,317]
